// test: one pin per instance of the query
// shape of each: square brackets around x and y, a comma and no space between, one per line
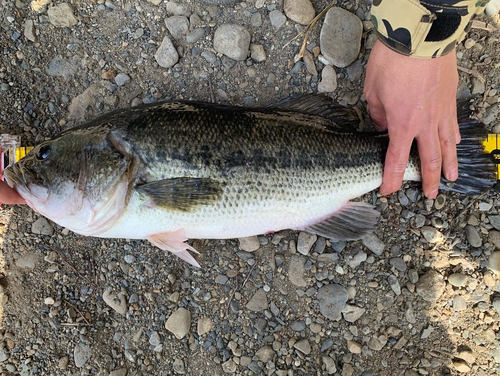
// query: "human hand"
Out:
[9,196]
[414,98]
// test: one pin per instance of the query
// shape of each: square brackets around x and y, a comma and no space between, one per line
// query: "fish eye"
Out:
[43,152]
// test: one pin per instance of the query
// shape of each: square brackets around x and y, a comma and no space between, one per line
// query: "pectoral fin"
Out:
[352,222]
[174,242]
[182,194]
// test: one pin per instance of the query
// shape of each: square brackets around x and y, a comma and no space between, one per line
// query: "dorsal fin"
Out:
[345,119]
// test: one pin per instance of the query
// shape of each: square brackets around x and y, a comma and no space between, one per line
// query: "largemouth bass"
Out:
[172,171]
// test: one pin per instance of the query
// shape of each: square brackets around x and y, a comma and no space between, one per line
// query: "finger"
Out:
[447,137]
[396,160]
[429,150]
[377,113]
[9,196]
[454,118]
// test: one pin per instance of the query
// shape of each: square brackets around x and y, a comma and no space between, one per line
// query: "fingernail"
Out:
[432,194]
[453,175]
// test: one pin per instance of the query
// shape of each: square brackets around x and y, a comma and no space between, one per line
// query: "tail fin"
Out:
[476,169]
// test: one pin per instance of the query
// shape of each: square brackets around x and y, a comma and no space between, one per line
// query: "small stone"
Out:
[178,26]
[430,286]
[122,79]
[249,244]
[232,40]
[179,367]
[440,201]
[305,242]
[303,346]
[277,18]
[496,304]
[473,236]
[229,366]
[413,276]
[467,355]
[329,363]
[179,323]
[332,301]
[459,303]
[176,9]
[469,43]
[300,11]
[374,244]
[63,362]
[427,332]
[398,263]
[298,326]
[119,372]
[154,339]
[461,365]
[29,30]
[354,347]
[221,279]
[296,271]
[258,302]
[42,227]
[205,325]
[265,354]
[494,262]
[394,283]
[49,301]
[61,15]
[28,260]
[328,81]
[477,86]
[377,343]
[352,313]
[355,71]
[484,206]
[129,259]
[494,238]
[115,301]
[495,221]
[432,235]
[458,279]
[195,35]
[340,37]
[256,20]
[257,52]
[82,354]
[355,260]
[209,56]
[166,56]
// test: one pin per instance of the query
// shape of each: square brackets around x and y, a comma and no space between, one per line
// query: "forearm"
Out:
[424,29]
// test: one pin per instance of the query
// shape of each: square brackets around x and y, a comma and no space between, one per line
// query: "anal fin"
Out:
[354,221]
[173,242]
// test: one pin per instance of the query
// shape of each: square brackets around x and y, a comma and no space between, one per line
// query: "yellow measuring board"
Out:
[22,151]
[491,145]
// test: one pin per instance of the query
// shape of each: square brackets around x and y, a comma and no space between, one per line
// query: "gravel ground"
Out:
[419,297]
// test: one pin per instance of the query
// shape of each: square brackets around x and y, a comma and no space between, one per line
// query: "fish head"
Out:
[78,180]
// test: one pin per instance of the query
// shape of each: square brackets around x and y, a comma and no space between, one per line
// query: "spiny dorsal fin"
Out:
[344,119]
[182,194]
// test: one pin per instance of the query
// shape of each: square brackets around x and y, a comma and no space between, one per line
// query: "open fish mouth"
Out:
[14,176]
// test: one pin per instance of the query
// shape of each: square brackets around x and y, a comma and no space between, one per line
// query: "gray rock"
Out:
[328,81]
[3,355]
[413,276]
[431,234]
[427,332]
[221,279]
[179,367]
[257,52]
[205,325]
[374,244]
[340,38]
[178,26]
[166,56]
[398,263]
[256,20]
[300,11]
[177,9]
[305,242]
[496,304]
[195,35]
[129,259]
[458,279]
[430,286]
[330,366]
[494,238]
[122,79]
[42,227]
[303,346]
[352,313]
[59,67]
[29,30]
[473,236]
[491,114]
[210,57]
[459,303]
[61,15]
[356,260]
[64,362]
[328,258]
[495,221]
[154,339]
[355,71]
[354,347]
[155,2]
[115,301]
[402,198]
[82,354]
[296,271]
[78,107]
[477,86]
[265,354]
[277,18]
[332,301]
[258,302]
[394,283]
[494,262]
[179,323]
[232,40]
[229,366]
[28,260]
[249,244]
[440,201]
[377,343]
[298,326]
